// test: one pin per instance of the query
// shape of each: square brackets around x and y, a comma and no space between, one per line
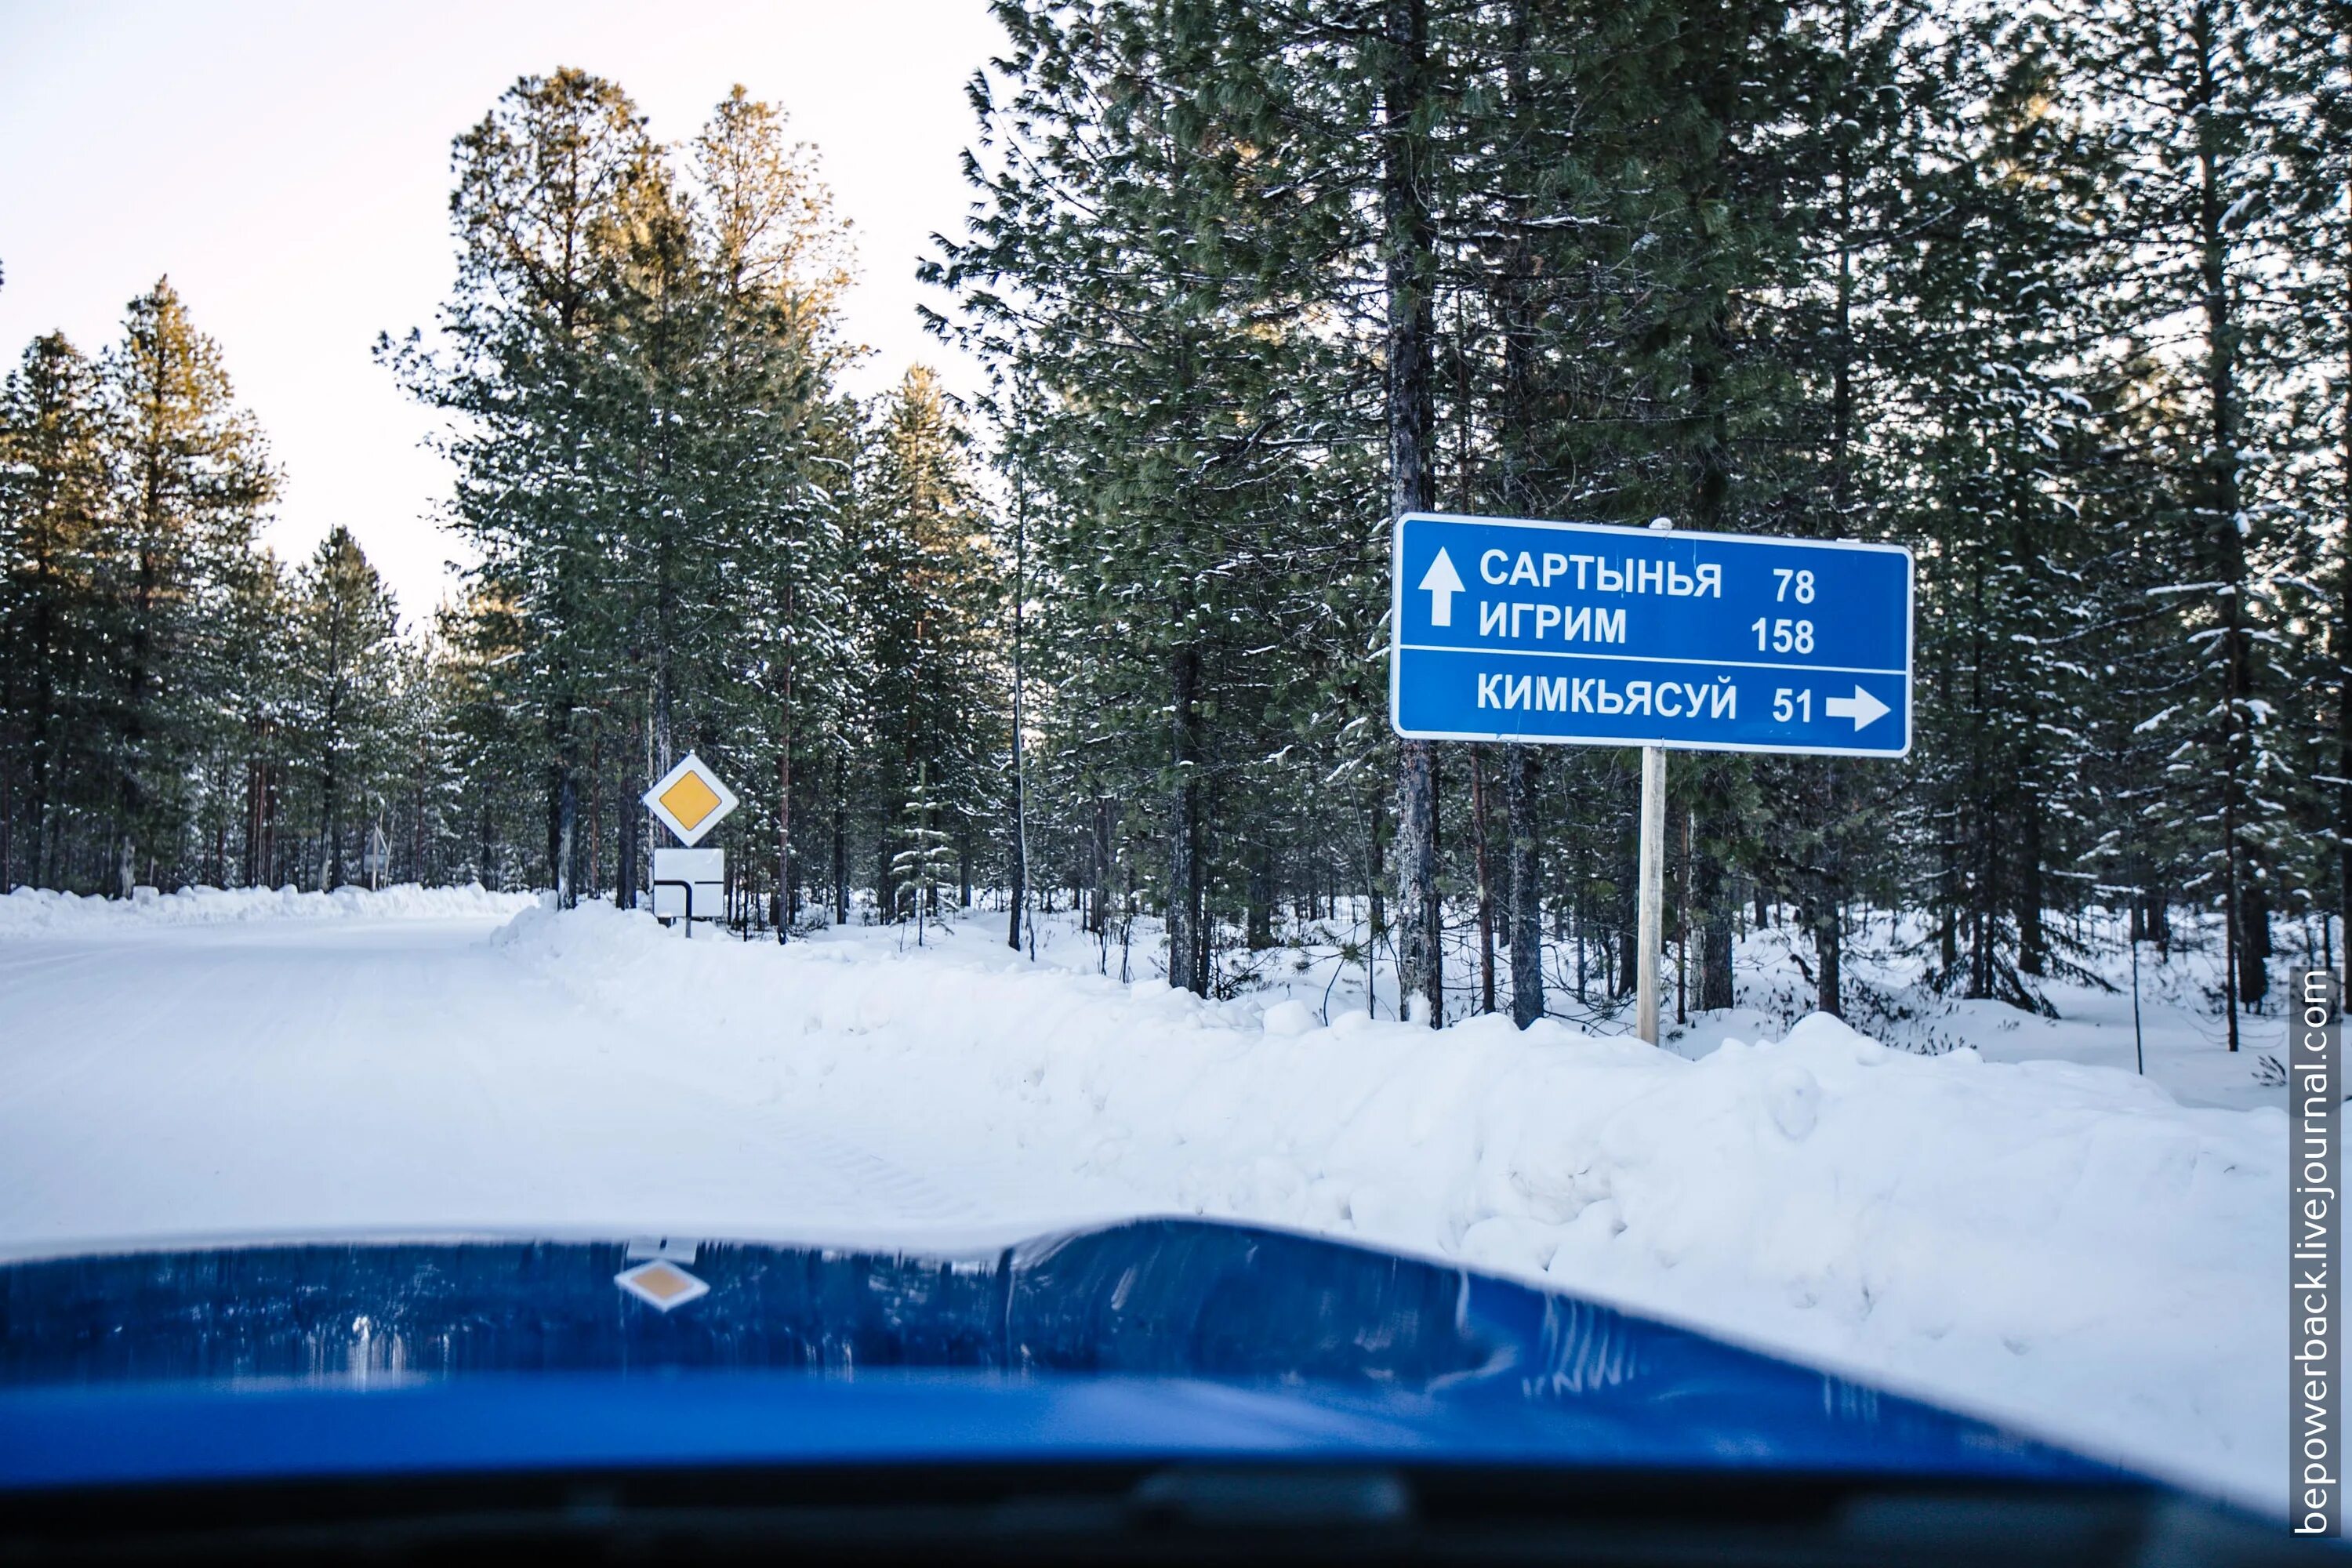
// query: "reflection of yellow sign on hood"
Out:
[689,799]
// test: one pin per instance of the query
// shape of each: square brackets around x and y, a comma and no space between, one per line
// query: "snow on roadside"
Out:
[2064,1247]
[38,911]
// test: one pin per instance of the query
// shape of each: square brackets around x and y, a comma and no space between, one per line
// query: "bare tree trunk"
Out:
[252,874]
[1821,915]
[1714,979]
[220,833]
[2032,941]
[2340,639]
[1184,969]
[840,838]
[271,781]
[1098,917]
[1527,885]
[1376,917]
[784,790]
[1485,885]
[8,824]
[1019,874]
[331,864]
[1204,923]
[632,810]
[1520,762]
[1020,878]
[1682,927]
[1411,275]
[593,854]
[1258,924]
[567,830]
[2220,499]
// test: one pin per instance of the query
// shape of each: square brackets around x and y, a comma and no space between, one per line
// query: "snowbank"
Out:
[2064,1246]
[29,910]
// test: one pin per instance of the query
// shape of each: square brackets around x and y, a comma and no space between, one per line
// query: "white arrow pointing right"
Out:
[1861,708]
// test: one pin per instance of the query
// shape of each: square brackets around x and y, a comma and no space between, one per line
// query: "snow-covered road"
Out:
[317,1076]
[2066,1247]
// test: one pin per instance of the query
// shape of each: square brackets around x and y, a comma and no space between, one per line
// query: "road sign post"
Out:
[1650,920]
[1519,631]
[689,884]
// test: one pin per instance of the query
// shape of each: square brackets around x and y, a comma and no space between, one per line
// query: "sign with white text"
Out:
[1580,634]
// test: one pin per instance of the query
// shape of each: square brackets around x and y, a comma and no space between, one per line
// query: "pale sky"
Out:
[288,165]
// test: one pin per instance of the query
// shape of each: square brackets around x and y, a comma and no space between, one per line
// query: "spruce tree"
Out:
[2195,101]
[925,596]
[54,620]
[345,669]
[548,187]
[191,481]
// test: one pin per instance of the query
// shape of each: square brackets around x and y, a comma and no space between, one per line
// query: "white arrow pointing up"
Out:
[1861,708]
[1442,583]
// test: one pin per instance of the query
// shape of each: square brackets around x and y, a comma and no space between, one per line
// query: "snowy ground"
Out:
[2067,1246]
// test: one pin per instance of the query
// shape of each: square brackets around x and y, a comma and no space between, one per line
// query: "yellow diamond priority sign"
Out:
[689,799]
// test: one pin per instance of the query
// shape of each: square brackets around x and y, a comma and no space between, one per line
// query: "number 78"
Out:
[1802,581]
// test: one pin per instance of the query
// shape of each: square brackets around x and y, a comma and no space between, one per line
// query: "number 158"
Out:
[1783,636]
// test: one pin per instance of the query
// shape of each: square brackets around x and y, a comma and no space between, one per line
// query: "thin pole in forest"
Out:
[1682,927]
[2139,1047]
[1411,276]
[1020,794]
[1486,886]
[785,786]
[2137,895]
[1652,889]
[1651,871]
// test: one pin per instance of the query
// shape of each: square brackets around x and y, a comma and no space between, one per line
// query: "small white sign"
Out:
[689,800]
[704,869]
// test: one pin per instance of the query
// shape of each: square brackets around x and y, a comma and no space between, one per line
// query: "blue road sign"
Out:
[1578,634]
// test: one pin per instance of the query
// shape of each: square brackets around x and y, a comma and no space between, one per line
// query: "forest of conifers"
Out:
[2060,297]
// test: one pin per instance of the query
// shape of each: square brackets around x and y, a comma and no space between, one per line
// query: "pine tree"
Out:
[926,594]
[2196,104]
[652,454]
[345,669]
[549,186]
[54,616]
[924,864]
[192,479]
[254,763]
[1997,436]
[1144,261]
[780,446]
[2315,82]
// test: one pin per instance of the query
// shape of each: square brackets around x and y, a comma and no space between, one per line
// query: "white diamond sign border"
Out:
[690,764]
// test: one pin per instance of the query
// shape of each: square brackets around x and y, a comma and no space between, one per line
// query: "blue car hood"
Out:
[1160,1338]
